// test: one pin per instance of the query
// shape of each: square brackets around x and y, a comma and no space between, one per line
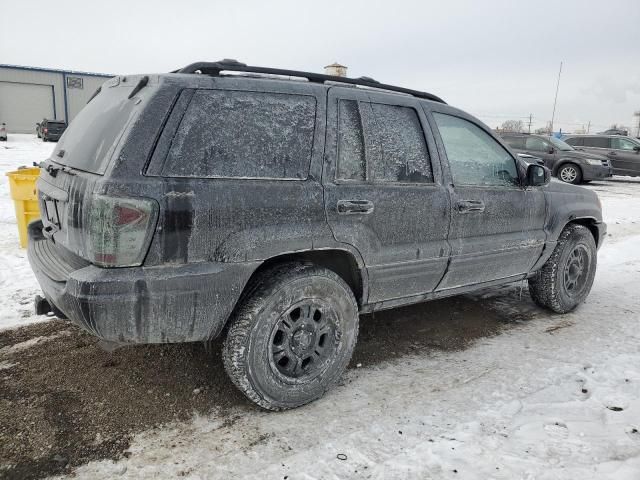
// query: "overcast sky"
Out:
[495,59]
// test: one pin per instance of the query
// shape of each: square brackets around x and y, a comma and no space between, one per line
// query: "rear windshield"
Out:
[55,124]
[91,138]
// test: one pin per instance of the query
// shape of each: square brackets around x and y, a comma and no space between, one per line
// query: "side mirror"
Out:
[537,175]
[551,150]
[636,149]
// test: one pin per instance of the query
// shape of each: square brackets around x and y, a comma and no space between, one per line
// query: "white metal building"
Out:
[29,94]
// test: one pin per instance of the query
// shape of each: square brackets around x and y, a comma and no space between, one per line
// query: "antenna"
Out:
[555,100]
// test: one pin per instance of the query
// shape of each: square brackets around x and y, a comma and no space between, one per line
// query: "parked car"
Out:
[50,130]
[180,206]
[567,164]
[3,132]
[623,152]
[615,131]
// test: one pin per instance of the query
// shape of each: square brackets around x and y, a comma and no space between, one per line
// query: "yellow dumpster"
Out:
[22,185]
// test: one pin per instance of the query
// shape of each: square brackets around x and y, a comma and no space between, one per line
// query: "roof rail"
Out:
[214,68]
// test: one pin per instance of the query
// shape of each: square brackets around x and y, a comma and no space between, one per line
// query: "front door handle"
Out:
[613,153]
[469,206]
[346,207]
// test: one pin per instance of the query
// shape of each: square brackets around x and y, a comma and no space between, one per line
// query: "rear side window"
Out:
[243,135]
[381,143]
[596,142]
[575,141]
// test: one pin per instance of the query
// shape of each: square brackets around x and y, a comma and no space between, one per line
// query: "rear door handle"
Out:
[346,207]
[613,153]
[468,206]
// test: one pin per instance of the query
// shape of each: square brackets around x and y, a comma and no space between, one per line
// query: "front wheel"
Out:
[566,278]
[570,173]
[291,339]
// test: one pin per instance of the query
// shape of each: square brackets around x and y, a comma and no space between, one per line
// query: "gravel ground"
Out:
[65,401]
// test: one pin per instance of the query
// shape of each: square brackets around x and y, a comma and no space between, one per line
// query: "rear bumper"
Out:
[595,172]
[139,304]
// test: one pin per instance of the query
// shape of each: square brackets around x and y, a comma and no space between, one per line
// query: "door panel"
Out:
[624,159]
[399,227]
[496,226]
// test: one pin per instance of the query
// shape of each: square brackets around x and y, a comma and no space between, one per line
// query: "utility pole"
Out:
[553,115]
[531,119]
[637,114]
[588,126]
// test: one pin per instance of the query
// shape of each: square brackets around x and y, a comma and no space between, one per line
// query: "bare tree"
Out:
[513,126]
[544,130]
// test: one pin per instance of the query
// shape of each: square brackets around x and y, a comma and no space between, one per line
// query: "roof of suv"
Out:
[229,65]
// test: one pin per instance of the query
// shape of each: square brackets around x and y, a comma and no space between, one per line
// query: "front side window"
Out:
[475,158]
[575,141]
[515,142]
[596,142]
[238,134]
[623,144]
[537,144]
[381,143]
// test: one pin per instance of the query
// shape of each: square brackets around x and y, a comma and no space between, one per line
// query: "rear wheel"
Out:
[566,278]
[570,173]
[292,337]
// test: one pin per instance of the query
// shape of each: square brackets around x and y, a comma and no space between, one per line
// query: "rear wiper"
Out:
[52,169]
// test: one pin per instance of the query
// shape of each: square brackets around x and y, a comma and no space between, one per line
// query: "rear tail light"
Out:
[120,230]
[46,130]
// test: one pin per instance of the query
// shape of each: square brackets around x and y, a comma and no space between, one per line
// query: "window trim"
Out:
[518,186]
[368,169]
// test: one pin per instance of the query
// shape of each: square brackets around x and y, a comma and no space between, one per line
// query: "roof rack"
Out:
[214,68]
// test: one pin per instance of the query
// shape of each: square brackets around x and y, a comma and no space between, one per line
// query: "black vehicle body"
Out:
[50,130]
[623,152]
[592,166]
[393,242]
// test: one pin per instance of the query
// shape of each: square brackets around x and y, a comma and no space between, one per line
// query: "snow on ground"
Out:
[17,283]
[556,397]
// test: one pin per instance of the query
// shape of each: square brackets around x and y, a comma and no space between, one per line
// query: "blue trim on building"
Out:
[53,70]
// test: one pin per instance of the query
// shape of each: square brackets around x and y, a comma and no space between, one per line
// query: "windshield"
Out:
[560,145]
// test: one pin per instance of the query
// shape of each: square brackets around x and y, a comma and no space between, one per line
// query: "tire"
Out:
[292,336]
[570,173]
[44,139]
[565,280]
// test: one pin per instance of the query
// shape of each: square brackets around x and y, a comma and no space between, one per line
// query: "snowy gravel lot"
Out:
[483,386]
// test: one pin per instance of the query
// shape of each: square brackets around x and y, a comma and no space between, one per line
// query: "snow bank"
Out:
[18,286]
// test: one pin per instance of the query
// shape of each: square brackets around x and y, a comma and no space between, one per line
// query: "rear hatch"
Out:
[69,178]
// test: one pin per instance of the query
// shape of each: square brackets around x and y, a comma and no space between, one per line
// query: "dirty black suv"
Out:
[236,199]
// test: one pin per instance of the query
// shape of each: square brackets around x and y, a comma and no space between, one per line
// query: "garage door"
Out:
[22,105]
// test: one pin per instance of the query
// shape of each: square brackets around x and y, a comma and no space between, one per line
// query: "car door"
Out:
[383,190]
[541,148]
[497,226]
[624,156]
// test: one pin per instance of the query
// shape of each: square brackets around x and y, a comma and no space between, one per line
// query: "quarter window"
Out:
[596,142]
[244,135]
[351,159]
[475,158]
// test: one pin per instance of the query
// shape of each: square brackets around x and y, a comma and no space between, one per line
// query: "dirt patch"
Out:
[64,401]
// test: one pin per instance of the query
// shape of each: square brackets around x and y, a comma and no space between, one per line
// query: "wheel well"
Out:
[566,162]
[590,224]
[339,261]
